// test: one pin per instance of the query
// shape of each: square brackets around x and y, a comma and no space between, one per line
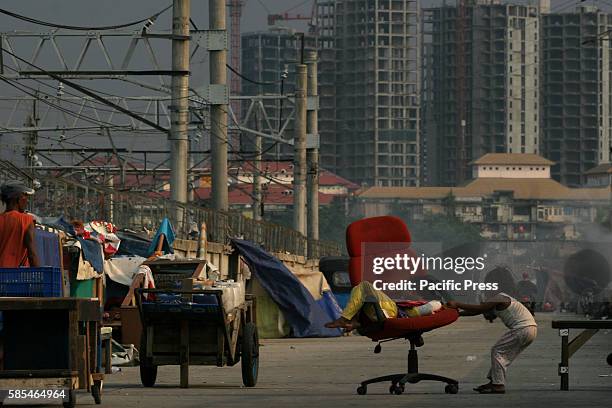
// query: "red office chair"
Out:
[393,229]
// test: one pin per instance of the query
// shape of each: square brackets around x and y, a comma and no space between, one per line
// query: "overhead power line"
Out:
[251,80]
[89,93]
[150,19]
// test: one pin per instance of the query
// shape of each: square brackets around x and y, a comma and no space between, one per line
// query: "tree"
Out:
[446,229]
[333,221]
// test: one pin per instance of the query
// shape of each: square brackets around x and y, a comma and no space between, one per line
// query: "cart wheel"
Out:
[71,403]
[148,371]
[250,355]
[96,392]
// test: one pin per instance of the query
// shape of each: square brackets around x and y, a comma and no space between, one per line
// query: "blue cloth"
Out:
[47,247]
[60,223]
[166,229]
[92,252]
[306,317]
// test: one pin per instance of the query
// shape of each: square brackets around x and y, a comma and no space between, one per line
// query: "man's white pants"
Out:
[507,348]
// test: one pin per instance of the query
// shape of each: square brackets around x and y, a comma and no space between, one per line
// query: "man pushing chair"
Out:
[516,317]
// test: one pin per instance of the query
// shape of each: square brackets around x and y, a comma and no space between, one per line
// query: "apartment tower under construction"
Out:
[576,97]
[480,84]
[377,91]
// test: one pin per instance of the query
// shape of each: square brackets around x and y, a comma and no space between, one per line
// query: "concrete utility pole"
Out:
[312,153]
[299,148]
[218,112]
[179,144]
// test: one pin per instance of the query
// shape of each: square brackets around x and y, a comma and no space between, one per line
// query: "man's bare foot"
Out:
[342,323]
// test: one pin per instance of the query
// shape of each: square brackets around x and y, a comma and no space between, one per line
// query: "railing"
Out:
[139,212]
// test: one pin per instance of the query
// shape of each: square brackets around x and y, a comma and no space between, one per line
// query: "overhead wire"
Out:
[92,101]
[121,109]
[88,92]
[262,4]
[298,5]
[28,91]
[32,20]
[253,81]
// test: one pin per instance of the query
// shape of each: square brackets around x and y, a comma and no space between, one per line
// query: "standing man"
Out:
[17,243]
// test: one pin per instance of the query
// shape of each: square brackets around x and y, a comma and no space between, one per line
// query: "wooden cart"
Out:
[51,344]
[187,333]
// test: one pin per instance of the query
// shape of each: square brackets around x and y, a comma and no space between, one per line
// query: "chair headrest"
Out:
[375,229]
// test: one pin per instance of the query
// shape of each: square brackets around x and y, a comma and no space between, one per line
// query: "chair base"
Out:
[398,381]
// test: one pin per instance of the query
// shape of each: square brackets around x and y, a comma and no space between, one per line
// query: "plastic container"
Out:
[45,281]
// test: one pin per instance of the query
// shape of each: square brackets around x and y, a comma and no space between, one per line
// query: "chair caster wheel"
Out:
[451,389]
[396,389]
[362,390]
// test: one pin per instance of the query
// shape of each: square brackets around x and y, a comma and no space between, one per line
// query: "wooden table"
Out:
[52,341]
[568,348]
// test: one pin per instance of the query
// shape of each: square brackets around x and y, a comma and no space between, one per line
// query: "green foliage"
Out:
[602,217]
[447,229]
[279,217]
[334,218]
[332,221]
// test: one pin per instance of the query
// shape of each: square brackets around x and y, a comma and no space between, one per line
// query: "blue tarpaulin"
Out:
[166,229]
[305,315]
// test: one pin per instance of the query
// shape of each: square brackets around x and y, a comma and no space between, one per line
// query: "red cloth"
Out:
[402,326]
[13,227]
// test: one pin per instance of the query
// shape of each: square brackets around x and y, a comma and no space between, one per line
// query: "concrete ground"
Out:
[325,372]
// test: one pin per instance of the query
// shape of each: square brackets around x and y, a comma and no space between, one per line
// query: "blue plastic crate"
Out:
[45,281]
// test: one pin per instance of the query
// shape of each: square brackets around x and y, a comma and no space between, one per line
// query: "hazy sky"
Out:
[97,12]
[109,12]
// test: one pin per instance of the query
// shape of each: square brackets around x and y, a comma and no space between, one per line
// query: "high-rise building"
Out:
[377,91]
[480,83]
[267,56]
[324,36]
[576,98]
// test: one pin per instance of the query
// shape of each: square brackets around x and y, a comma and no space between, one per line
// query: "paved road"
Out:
[324,372]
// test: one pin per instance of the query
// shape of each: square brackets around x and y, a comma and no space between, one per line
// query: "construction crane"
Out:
[235,13]
[273,18]
[288,16]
